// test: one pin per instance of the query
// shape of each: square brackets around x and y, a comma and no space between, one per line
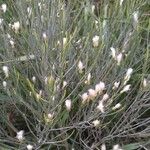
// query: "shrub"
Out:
[74,74]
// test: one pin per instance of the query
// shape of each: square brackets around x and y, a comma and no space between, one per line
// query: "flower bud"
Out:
[4,84]
[20,135]
[103,147]
[92,93]
[96,123]
[16,26]
[113,52]
[126,88]
[64,84]
[88,79]
[121,1]
[117,106]
[64,41]
[105,97]
[4,7]
[100,106]
[29,11]
[100,87]
[44,35]
[68,104]
[29,147]
[144,83]
[12,43]
[6,71]
[116,85]
[119,58]
[34,79]
[84,97]
[80,66]
[95,41]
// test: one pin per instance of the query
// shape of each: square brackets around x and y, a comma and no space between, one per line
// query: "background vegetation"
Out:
[60,50]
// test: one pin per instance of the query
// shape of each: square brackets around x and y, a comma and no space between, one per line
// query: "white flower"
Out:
[113,52]
[6,71]
[103,147]
[116,106]
[116,85]
[20,135]
[84,97]
[119,58]
[95,41]
[4,7]
[105,97]
[44,35]
[16,26]
[29,147]
[34,79]
[92,93]
[4,84]
[126,88]
[96,123]
[100,106]
[68,104]
[80,66]
[100,87]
